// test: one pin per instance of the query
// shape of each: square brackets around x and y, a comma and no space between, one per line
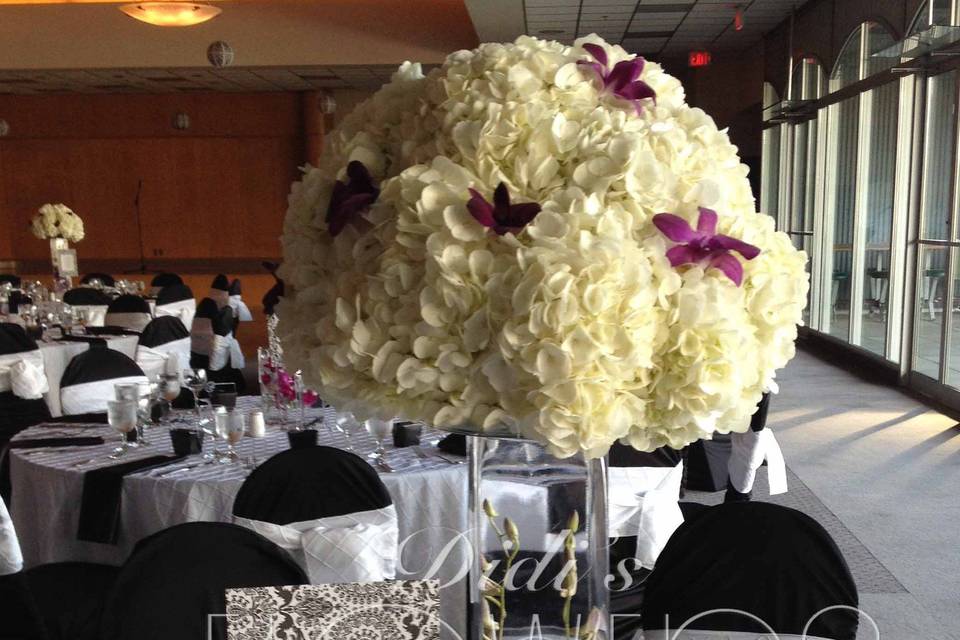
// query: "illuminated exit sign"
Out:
[699,58]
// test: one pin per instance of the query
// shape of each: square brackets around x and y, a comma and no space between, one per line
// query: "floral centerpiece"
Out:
[483,246]
[544,242]
[57,221]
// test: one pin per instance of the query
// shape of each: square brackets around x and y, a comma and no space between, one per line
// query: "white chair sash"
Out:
[183,309]
[240,309]
[92,397]
[163,358]
[94,315]
[132,321]
[748,451]
[11,559]
[643,502]
[357,547]
[23,374]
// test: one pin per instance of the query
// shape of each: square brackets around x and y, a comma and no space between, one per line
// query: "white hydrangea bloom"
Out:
[575,330]
[57,221]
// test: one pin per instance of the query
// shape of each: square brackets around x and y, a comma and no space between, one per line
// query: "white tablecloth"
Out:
[57,355]
[430,496]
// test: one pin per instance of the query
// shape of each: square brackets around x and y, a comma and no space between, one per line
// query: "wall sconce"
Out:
[181,122]
[327,104]
[4,128]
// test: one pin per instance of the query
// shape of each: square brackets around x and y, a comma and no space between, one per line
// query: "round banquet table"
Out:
[429,494]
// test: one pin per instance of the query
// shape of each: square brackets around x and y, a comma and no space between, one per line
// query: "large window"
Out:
[842,194]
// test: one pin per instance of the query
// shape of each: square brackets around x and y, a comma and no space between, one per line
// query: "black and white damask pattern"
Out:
[402,610]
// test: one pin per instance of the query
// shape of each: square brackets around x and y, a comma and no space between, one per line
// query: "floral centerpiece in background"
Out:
[542,241]
[61,226]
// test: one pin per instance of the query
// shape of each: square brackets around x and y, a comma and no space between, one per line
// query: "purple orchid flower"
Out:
[623,80]
[704,245]
[501,216]
[350,198]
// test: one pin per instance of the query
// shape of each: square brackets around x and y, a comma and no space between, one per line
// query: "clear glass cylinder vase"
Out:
[61,283]
[539,529]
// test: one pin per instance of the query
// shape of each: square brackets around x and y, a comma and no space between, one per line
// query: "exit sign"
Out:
[699,58]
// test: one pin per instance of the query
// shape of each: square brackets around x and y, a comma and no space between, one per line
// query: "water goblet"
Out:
[345,424]
[219,430]
[380,430]
[196,380]
[122,416]
[236,427]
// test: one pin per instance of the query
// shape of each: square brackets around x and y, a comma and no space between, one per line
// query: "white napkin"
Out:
[11,559]
[27,380]
[357,547]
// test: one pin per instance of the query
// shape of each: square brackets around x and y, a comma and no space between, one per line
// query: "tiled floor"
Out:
[882,473]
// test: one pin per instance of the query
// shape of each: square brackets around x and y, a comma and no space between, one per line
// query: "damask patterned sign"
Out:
[402,610]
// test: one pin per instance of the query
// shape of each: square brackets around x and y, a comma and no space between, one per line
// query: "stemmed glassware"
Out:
[236,426]
[169,389]
[196,380]
[221,430]
[122,416]
[142,395]
[379,429]
[345,423]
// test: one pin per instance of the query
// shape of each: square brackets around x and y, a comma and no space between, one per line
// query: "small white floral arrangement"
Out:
[540,237]
[57,221]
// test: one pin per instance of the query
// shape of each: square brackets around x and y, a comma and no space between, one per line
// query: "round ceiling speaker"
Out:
[181,122]
[220,54]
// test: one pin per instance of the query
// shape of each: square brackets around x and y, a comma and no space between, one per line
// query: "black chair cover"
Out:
[162,330]
[174,293]
[16,414]
[310,483]
[176,578]
[272,297]
[85,296]
[18,298]
[98,364]
[21,617]
[105,278]
[162,280]
[773,562]
[129,303]
[12,279]
[69,597]
[221,283]
[236,289]
[221,320]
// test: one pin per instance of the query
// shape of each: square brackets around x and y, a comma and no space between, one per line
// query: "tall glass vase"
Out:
[61,283]
[539,527]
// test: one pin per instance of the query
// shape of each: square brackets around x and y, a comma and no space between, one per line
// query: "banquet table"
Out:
[429,494]
[57,355]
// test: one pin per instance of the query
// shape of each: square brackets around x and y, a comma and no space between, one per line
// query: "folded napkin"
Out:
[27,380]
[80,418]
[100,504]
[69,441]
[111,331]
[455,443]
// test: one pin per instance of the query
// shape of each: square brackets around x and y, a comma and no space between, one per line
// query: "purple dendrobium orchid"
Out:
[623,80]
[704,245]
[350,198]
[501,216]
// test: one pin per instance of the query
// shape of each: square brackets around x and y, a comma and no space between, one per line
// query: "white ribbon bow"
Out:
[23,374]
[748,451]
[11,559]
[643,502]
[356,547]
[240,309]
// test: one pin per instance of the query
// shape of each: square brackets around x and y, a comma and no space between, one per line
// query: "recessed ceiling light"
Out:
[171,14]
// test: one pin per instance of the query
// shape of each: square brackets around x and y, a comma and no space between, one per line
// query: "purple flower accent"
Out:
[704,245]
[350,198]
[623,80]
[501,216]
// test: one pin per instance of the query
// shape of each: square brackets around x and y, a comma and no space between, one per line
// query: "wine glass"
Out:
[379,429]
[221,430]
[169,390]
[196,380]
[236,427]
[345,423]
[122,416]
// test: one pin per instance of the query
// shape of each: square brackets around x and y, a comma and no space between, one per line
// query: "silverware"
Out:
[383,465]
[179,469]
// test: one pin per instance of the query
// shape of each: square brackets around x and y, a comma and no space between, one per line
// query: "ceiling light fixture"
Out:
[171,13]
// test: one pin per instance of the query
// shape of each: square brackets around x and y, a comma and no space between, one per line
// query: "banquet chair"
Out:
[176,300]
[9,278]
[162,280]
[241,312]
[213,346]
[328,508]
[220,291]
[757,559]
[93,303]
[57,601]
[105,279]
[128,312]
[643,512]
[22,382]
[87,383]
[17,299]
[163,347]
[174,582]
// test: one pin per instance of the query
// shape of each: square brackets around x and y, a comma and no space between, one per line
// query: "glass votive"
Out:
[256,425]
